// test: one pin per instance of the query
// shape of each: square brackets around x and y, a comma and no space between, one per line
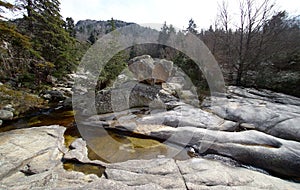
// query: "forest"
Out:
[261,50]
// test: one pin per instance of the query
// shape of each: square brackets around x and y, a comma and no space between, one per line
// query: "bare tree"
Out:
[243,47]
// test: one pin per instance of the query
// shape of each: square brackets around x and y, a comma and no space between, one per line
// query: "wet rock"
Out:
[196,173]
[79,152]
[66,91]
[6,115]
[32,159]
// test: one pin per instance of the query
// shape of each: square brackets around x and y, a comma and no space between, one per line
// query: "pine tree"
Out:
[112,25]
[70,27]
[92,38]
[13,46]
[49,37]
[115,65]
[192,27]
[163,37]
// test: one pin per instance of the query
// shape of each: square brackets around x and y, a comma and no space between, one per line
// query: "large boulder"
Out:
[149,70]
[142,67]
[162,70]
[132,94]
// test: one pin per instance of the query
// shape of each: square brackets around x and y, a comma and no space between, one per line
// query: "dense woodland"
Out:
[39,45]
[262,50]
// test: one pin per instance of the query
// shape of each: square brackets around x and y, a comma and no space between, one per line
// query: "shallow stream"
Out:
[127,146]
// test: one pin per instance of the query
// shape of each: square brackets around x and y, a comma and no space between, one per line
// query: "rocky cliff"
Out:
[85,28]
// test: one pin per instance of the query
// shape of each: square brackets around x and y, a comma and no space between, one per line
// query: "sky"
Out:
[175,12]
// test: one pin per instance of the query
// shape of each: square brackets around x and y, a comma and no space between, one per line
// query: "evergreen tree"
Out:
[163,37]
[192,27]
[163,34]
[70,27]
[92,38]
[13,47]
[115,65]
[8,32]
[49,37]
[112,25]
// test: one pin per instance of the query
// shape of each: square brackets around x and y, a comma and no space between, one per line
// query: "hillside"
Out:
[87,28]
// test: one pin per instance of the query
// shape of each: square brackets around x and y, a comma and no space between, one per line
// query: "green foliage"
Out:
[112,25]
[10,34]
[191,69]
[50,38]
[70,27]
[21,100]
[93,38]
[37,45]
[112,69]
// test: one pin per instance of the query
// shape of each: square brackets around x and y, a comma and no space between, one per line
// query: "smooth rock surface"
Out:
[186,115]
[146,69]
[253,148]
[32,159]
[208,174]
[273,113]
[163,172]
[196,173]
[142,67]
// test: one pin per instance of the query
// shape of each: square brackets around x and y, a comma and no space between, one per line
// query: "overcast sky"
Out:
[176,12]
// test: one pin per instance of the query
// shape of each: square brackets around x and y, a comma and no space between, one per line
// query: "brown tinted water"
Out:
[123,147]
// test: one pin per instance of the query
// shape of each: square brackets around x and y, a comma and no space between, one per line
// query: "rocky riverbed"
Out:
[36,163]
[242,139]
